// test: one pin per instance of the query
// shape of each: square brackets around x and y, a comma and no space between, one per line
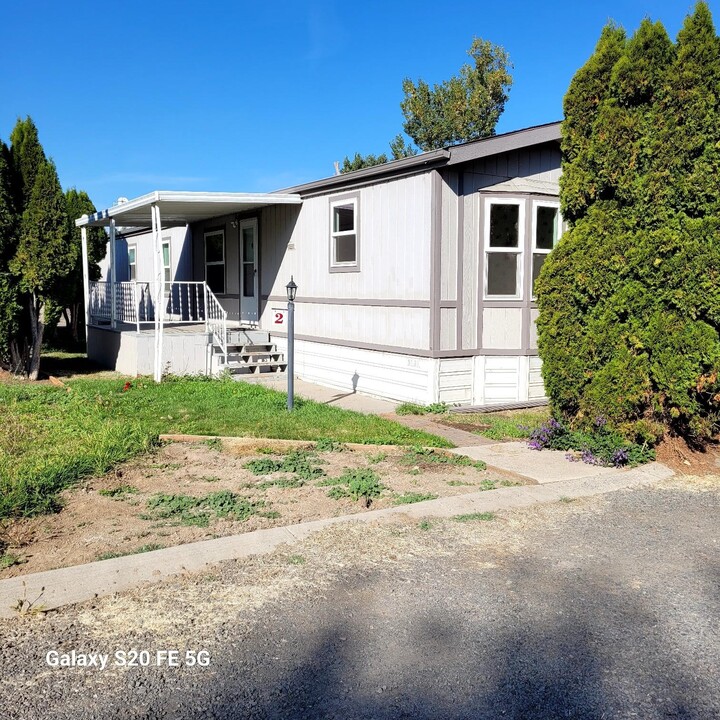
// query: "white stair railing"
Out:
[184,303]
[216,321]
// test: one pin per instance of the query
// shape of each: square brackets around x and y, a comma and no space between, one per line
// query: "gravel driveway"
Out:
[601,608]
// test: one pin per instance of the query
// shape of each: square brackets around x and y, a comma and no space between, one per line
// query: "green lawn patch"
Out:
[51,437]
[499,426]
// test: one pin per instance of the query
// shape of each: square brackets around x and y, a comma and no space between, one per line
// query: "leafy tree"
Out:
[45,256]
[629,324]
[69,298]
[465,107]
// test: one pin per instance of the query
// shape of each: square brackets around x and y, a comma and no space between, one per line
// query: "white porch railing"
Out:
[184,303]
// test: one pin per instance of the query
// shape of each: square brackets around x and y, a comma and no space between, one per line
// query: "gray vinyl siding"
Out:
[486,325]
[386,302]
[181,261]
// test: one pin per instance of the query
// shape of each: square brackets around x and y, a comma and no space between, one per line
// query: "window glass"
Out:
[546,228]
[214,247]
[132,255]
[215,278]
[215,261]
[502,273]
[167,271]
[345,249]
[538,261]
[344,233]
[504,221]
[343,218]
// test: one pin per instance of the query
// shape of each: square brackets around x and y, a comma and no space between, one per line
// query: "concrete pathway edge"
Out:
[67,586]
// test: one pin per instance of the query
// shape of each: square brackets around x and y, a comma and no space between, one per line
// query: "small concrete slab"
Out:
[543,466]
[66,586]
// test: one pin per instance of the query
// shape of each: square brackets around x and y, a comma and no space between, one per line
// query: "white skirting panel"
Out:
[536,388]
[391,376]
[455,381]
[507,379]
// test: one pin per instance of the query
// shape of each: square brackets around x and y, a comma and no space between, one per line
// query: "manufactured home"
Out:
[415,277]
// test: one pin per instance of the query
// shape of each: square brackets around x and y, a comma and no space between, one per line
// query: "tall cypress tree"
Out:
[28,155]
[629,323]
[45,255]
[9,222]
[587,92]
[69,297]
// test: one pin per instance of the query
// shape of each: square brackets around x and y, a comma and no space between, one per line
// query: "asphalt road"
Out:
[602,608]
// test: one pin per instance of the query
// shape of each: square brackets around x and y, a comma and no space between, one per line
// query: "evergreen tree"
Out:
[45,256]
[69,298]
[9,305]
[629,324]
[359,162]
[28,155]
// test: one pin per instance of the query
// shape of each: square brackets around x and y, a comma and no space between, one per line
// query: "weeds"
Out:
[119,492]
[302,463]
[142,549]
[361,483]
[8,560]
[414,409]
[472,517]
[214,443]
[429,456]
[329,445]
[198,511]
[377,458]
[412,497]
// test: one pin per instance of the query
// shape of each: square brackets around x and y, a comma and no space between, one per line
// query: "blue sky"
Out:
[237,96]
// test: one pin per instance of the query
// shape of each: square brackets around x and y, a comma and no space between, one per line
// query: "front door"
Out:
[248,271]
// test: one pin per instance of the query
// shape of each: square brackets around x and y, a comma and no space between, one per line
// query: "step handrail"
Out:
[216,321]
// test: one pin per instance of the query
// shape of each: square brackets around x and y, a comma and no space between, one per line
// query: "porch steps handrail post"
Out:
[216,321]
[136,305]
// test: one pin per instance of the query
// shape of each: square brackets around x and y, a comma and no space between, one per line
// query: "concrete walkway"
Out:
[66,586]
[347,400]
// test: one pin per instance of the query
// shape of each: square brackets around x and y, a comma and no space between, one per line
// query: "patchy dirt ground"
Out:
[110,516]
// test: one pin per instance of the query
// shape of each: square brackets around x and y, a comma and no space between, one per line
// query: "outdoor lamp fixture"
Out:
[291,293]
[291,290]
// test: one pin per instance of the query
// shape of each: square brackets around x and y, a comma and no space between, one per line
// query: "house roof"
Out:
[181,208]
[453,155]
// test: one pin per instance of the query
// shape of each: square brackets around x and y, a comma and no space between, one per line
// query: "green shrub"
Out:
[629,322]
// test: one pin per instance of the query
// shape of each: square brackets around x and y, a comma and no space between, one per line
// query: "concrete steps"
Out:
[251,352]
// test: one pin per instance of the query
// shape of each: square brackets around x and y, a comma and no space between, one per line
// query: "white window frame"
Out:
[167,269]
[535,250]
[519,250]
[218,231]
[132,265]
[351,266]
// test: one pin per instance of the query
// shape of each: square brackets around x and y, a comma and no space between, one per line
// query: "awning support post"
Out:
[86,278]
[158,267]
[113,277]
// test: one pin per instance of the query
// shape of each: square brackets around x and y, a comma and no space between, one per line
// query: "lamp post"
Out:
[291,292]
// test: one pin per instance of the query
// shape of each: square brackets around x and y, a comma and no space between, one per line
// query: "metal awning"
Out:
[180,208]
